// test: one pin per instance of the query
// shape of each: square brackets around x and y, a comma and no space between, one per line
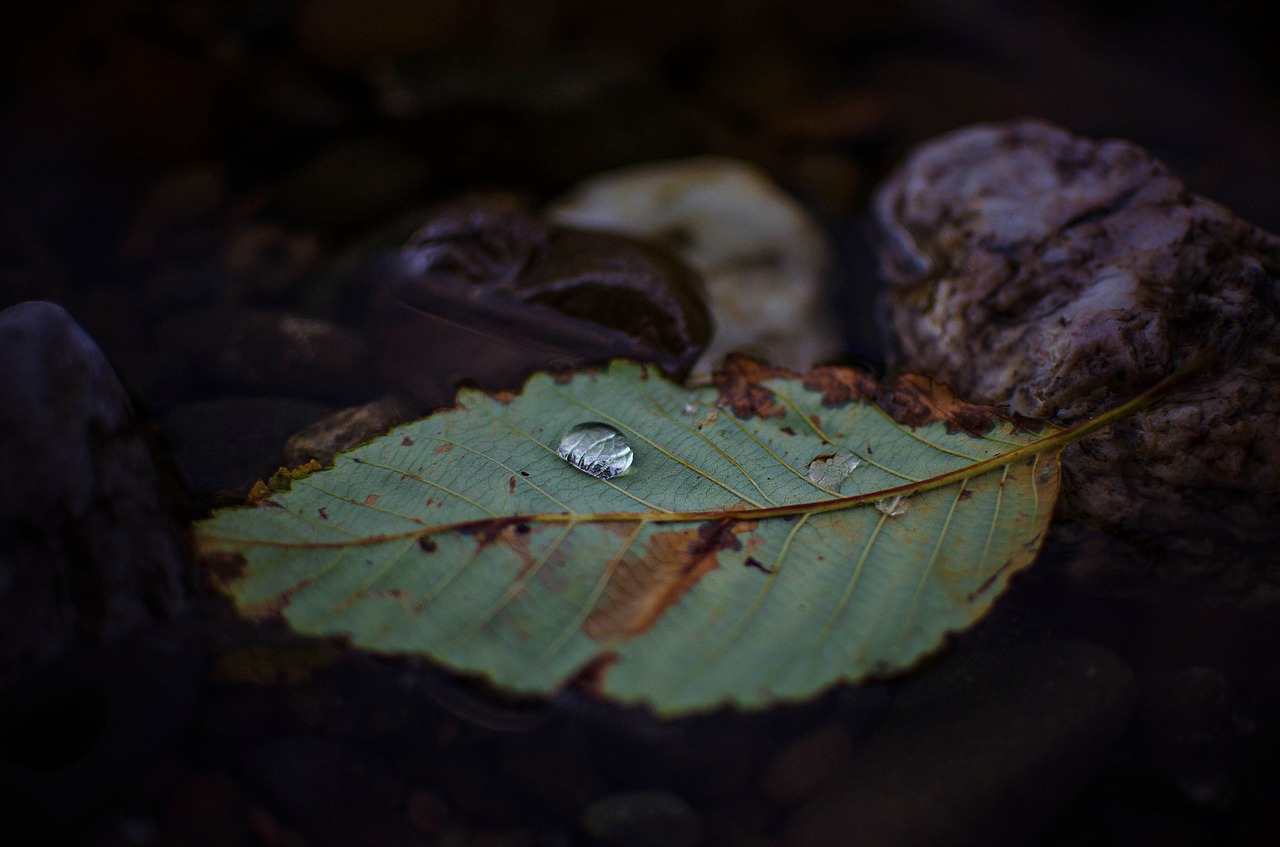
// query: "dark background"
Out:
[167,165]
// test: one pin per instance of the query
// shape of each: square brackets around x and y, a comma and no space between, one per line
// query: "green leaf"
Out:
[736,562]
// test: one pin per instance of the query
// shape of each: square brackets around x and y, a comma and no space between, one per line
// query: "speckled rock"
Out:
[87,550]
[1061,275]
[345,429]
[762,256]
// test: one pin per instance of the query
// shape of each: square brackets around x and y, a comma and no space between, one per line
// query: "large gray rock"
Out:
[86,546]
[1060,276]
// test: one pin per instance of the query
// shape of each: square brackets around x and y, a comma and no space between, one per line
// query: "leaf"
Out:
[737,562]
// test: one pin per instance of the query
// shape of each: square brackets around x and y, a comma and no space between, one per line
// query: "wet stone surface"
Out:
[488,293]
[89,551]
[1061,275]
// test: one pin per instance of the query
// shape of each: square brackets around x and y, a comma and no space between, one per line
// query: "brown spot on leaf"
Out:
[443,448]
[372,500]
[916,400]
[512,532]
[428,544]
[913,400]
[324,513]
[990,581]
[223,568]
[273,607]
[753,562]
[786,430]
[644,586]
[840,386]
[406,442]
[511,485]
[739,383]
[487,531]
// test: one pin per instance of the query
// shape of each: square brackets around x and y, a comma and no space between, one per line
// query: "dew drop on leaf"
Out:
[893,507]
[596,448]
[832,469]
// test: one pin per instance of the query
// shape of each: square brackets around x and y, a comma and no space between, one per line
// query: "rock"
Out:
[1060,276]
[1200,734]
[984,748]
[805,764]
[267,264]
[554,768]
[266,351]
[426,811]
[88,551]
[345,429]
[488,294]
[280,352]
[228,445]
[79,732]
[762,257]
[339,792]
[643,819]
[547,118]
[354,182]
[338,35]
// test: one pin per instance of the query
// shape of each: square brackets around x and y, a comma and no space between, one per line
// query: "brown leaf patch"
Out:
[511,532]
[643,587]
[223,568]
[840,386]
[488,531]
[738,382]
[916,400]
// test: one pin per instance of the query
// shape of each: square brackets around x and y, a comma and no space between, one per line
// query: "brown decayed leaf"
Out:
[642,587]
[739,382]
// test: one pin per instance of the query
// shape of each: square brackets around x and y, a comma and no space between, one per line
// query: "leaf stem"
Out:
[1054,442]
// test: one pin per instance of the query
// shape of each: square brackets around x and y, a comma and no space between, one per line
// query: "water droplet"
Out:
[892,507]
[830,470]
[596,448]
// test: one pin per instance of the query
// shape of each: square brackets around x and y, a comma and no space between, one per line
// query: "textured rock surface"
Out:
[488,293]
[86,547]
[1060,275]
[345,429]
[762,256]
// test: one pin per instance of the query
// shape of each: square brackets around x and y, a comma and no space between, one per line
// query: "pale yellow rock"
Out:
[763,258]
